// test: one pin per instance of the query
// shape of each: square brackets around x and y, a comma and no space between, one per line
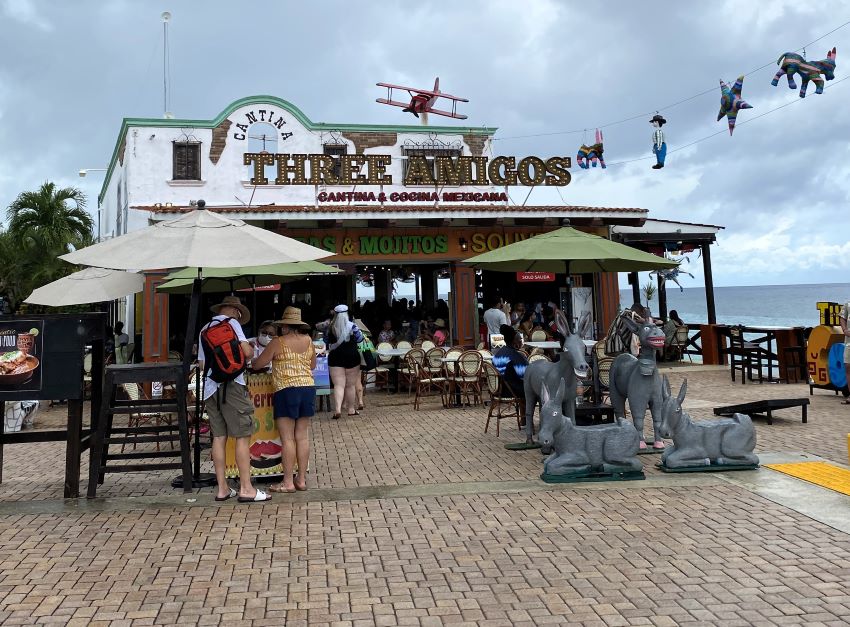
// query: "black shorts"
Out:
[295,403]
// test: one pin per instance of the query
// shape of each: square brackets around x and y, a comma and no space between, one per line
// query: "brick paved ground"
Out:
[624,554]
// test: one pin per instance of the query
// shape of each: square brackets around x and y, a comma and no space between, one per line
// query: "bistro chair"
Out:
[468,376]
[134,392]
[602,378]
[402,344]
[384,367]
[175,357]
[409,371]
[679,344]
[485,354]
[427,345]
[451,366]
[744,356]
[538,336]
[434,361]
[538,357]
[480,345]
[501,404]
[426,381]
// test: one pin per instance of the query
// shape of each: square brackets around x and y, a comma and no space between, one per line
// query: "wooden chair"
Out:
[468,376]
[427,381]
[744,356]
[499,400]
[134,392]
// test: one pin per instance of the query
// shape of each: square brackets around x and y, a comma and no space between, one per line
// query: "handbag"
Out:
[368,360]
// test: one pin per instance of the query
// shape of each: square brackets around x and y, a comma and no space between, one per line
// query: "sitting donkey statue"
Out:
[724,442]
[571,367]
[610,448]
[791,63]
[637,380]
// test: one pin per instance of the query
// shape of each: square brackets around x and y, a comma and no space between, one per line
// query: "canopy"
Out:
[199,239]
[230,279]
[92,285]
[568,250]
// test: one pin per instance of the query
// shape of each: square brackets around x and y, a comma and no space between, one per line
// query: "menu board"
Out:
[21,355]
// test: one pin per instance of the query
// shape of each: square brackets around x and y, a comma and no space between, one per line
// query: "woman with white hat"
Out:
[293,360]
[342,338]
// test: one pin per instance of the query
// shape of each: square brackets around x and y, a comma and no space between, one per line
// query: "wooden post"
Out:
[73,448]
[2,432]
[635,281]
[709,283]
[662,298]
[464,305]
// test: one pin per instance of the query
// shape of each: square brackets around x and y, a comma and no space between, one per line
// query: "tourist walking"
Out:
[228,405]
[342,338]
[293,360]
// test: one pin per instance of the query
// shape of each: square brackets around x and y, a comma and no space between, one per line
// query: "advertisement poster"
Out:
[21,352]
[583,312]
[265,441]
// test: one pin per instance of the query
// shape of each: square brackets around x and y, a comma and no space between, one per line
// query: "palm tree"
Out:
[51,218]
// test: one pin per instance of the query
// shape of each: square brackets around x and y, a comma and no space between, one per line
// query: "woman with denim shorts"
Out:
[293,359]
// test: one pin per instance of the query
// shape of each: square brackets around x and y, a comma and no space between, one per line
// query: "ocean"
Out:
[769,305]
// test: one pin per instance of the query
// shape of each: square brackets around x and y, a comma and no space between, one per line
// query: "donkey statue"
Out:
[791,63]
[571,367]
[637,379]
[588,155]
[610,448]
[724,442]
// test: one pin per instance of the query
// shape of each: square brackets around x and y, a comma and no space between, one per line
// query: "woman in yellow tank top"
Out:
[293,360]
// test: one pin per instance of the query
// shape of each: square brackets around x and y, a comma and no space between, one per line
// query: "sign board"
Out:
[535,277]
[21,355]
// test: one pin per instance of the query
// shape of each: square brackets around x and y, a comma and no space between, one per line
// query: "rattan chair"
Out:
[384,368]
[538,336]
[403,344]
[500,400]
[679,344]
[134,392]
[468,376]
[407,372]
[434,361]
[427,345]
[427,381]
[538,357]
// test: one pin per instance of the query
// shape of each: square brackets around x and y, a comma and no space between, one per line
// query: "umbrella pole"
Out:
[192,326]
[254,329]
[569,303]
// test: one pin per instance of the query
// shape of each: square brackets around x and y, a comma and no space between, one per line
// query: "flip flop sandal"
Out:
[279,488]
[846,402]
[259,497]
[335,416]
[357,413]
[229,496]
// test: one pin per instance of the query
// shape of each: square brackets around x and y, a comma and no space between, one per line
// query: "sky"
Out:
[535,68]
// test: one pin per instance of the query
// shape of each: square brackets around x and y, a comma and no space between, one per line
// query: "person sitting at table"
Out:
[526,325]
[424,333]
[441,335]
[387,334]
[670,327]
[511,364]
[517,314]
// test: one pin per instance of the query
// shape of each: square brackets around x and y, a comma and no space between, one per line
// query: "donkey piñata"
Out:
[588,155]
[791,63]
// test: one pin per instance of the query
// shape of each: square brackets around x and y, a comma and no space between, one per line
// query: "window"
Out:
[187,161]
[336,150]
[428,153]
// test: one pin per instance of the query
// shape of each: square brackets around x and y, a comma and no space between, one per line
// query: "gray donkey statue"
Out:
[725,443]
[582,451]
[571,367]
[637,380]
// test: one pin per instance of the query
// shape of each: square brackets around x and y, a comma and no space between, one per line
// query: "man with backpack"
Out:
[223,355]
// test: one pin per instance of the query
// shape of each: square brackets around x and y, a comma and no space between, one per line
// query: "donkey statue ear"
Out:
[544,395]
[682,391]
[562,388]
[665,388]
[562,323]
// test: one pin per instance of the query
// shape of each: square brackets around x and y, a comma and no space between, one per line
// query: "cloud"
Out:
[24,11]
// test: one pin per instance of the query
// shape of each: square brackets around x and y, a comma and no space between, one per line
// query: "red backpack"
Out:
[224,357]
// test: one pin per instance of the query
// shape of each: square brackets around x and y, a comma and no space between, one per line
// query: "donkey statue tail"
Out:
[782,58]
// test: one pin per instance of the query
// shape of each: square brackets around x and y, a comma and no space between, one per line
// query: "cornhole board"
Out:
[593,476]
[764,409]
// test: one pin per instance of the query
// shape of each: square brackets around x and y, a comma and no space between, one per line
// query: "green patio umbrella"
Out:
[244,277]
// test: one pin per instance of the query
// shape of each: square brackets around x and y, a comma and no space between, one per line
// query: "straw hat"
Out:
[292,318]
[363,328]
[440,323]
[233,301]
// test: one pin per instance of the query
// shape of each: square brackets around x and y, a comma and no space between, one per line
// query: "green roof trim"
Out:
[127,123]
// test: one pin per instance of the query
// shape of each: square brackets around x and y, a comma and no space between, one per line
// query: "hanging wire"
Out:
[674,104]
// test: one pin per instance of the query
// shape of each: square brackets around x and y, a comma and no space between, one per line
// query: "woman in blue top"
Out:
[342,337]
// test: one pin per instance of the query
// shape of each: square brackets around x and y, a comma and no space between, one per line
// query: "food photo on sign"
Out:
[21,348]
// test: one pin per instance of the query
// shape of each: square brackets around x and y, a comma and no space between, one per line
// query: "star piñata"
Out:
[731,102]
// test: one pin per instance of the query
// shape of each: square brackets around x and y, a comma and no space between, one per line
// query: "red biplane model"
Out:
[422,101]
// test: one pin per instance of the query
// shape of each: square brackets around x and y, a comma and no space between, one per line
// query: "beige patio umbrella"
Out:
[91,285]
[200,239]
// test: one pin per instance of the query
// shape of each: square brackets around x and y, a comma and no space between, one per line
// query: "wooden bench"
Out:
[764,409]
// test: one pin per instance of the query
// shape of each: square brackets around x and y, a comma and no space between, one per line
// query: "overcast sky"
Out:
[72,70]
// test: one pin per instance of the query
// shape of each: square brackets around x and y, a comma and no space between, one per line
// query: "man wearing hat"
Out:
[659,148]
[231,412]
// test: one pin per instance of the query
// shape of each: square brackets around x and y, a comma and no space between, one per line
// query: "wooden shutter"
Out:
[187,162]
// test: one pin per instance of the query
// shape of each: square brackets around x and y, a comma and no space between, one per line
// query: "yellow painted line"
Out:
[819,473]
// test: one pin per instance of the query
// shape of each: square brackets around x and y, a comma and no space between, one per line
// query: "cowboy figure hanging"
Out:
[659,148]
